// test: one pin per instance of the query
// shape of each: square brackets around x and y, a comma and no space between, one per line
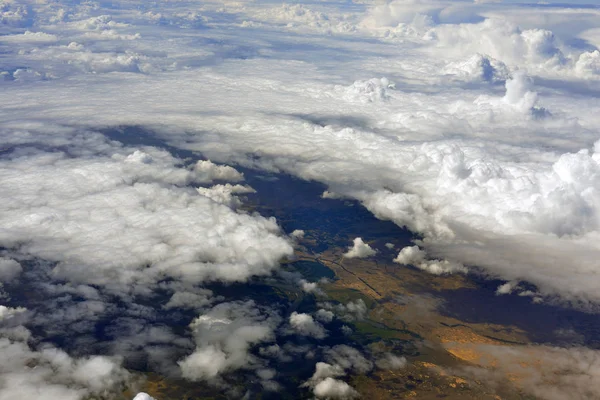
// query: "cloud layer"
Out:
[472,124]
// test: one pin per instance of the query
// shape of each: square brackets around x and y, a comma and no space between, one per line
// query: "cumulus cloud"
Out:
[224,336]
[55,373]
[413,255]
[324,315]
[351,311]
[372,90]
[341,359]
[9,269]
[359,249]
[310,287]
[304,324]
[210,171]
[479,68]
[297,234]
[330,388]
[224,194]
[348,358]
[9,312]
[130,216]
[143,396]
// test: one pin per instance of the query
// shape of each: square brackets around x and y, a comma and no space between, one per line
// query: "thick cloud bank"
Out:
[127,220]
[496,167]
[97,230]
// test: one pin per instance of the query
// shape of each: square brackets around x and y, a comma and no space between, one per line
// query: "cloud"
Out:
[9,312]
[304,324]
[9,269]
[224,194]
[482,173]
[324,315]
[211,172]
[143,396]
[391,361]
[518,92]
[324,385]
[330,388]
[348,358]
[224,336]
[131,217]
[310,287]
[351,311]
[588,63]
[546,372]
[372,90]
[413,255]
[324,370]
[55,373]
[359,249]
[30,37]
[297,234]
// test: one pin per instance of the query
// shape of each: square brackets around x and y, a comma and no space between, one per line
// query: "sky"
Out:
[473,124]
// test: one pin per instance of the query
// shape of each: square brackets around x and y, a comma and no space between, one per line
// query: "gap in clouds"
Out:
[298,204]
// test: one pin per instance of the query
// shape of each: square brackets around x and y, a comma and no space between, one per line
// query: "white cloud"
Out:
[211,172]
[143,396]
[413,255]
[330,388]
[324,385]
[224,336]
[182,299]
[351,311]
[9,312]
[297,234]
[304,324]
[449,153]
[55,373]
[348,358]
[30,37]
[360,249]
[391,361]
[324,315]
[224,194]
[9,269]
[309,287]
[124,216]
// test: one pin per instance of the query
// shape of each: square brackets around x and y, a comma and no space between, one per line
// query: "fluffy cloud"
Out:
[9,269]
[324,315]
[143,396]
[224,336]
[304,324]
[330,388]
[359,249]
[131,218]
[351,311]
[341,359]
[55,373]
[348,358]
[413,255]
